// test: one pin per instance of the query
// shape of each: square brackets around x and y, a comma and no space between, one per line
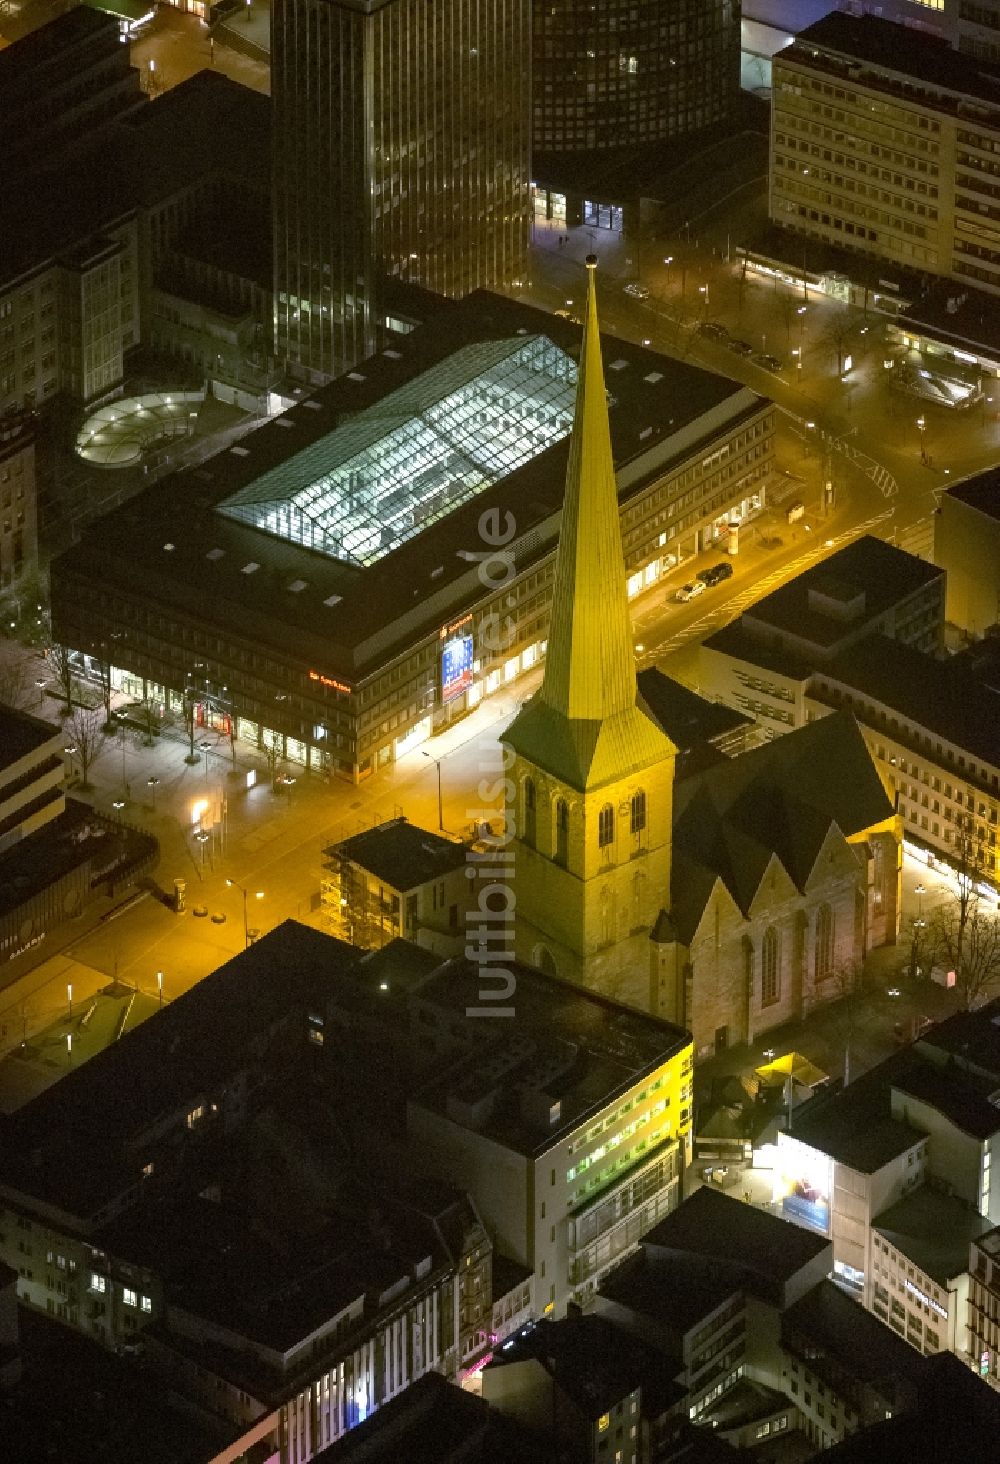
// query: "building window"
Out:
[770,983]
[529,811]
[129,1297]
[638,811]
[824,942]
[147,1304]
[98,1283]
[606,826]
[562,831]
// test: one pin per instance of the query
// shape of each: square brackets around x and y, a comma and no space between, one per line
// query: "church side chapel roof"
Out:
[779,800]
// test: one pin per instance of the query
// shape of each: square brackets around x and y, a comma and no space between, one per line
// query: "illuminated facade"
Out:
[885,142]
[400,149]
[348,656]
[621,74]
[592,772]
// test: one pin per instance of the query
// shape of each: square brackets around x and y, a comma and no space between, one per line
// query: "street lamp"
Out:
[202,838]
[922,428]
[437,763]
[41,691]
[668,261]
[152,784]
[159,987]
[259,895]
[204,745]
[118,805]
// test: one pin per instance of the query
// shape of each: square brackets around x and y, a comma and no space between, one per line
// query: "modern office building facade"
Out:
[888,148]
[623,75]
[326,585]
[401,148]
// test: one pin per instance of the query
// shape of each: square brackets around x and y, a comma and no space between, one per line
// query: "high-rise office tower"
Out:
[629,72]
[401,148]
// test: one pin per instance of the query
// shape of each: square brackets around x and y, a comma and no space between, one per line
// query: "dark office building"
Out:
[401,147]
[629,72]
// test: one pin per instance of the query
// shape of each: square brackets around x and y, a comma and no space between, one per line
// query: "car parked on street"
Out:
[741,348]
[769,363]
[690,591]
[714,330]
[716,574]
[637,291]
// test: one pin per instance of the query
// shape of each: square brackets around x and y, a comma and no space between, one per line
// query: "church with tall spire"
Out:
[728,896]
[590,769]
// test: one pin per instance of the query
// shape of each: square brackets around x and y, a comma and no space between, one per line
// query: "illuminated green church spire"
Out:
[585,726]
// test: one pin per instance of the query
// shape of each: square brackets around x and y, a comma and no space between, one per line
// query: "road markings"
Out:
[736,604]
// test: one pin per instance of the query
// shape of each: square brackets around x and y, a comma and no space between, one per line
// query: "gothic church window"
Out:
[562,831]
[824,942]
[638,811]
[529,811]
[606,826]
[770,975]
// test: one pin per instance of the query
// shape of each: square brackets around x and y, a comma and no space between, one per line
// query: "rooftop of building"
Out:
[956,1417]
[174,548]
[778,800]
[435,1422]
[952,312]
[959,1097]
[971,1038]
[567,1053]
[72,838]
[854,1125]
[272,1272]
[680,1291]
[21,734]
[901,51]
[840,1337]
[79,1403]
[28,62]
[834,600]
[981,492]
[148,156]
[593,1362]
[942,696]
[933,1230]
[692,722]
[508,1275]
[769,1251]
[401,854]
[77,1145]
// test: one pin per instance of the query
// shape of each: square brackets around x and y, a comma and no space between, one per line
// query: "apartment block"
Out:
[934,728]
[983,1337]
[888,142]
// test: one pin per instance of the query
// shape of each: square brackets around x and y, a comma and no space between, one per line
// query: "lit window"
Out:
[603,1422]
[98,1283]
[195,1114]
[129,1297]
[147,1304]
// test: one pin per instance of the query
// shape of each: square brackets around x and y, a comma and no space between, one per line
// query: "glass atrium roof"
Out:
[386,474]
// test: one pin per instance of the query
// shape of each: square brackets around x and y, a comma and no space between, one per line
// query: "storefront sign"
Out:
[28,945]
[330,682]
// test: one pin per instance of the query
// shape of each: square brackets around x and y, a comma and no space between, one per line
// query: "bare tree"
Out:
[963,932]
[837,338]
[58,658]
[15,685]
[88,739]
[188,707]
[965,936]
